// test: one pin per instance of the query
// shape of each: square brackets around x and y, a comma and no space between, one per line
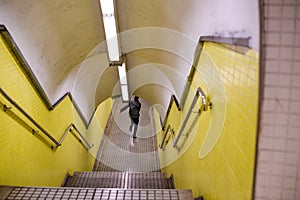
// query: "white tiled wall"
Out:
[278,169]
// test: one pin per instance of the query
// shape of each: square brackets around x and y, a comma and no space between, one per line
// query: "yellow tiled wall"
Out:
[26,159]
[225,167]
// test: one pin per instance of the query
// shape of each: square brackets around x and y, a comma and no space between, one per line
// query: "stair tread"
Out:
[114,175]
[151,180]
[9,192]
[106,172]
[121,182]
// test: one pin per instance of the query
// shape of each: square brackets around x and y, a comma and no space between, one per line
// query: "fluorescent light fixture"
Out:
[107,6]
[109,21]
[125,96]
[122,74]
[123,82]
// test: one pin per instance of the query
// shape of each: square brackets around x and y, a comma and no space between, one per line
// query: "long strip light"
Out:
[109,21]
[123,82]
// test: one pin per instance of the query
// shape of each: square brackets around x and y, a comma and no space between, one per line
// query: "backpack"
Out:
[134,109]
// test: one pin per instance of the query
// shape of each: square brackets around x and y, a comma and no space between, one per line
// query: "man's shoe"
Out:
[134,137]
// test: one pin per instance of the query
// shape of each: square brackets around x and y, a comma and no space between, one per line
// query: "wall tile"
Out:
[272,24]
[290,170]
[274,11]
[289,183]
[293,146]
[284,80]
[288,194]
[285,66]
[277,169]
[289,11]
[286,53]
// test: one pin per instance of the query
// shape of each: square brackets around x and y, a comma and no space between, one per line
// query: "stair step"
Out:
[99,174]
[153,180]
[8,192]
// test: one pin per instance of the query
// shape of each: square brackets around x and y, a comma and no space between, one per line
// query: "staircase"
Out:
[132,173]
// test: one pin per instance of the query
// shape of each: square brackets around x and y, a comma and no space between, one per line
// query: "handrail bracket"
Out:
[171,135]
[5,108]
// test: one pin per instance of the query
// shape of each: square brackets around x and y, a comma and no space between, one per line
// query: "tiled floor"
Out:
[118,151]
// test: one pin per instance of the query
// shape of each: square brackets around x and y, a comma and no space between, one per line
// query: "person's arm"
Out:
[124,108]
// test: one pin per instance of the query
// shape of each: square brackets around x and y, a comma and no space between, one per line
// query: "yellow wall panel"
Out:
[225,168]
[27,159]
[98,126]
[105,108]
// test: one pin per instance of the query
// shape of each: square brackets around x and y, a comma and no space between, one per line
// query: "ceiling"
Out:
[64,43]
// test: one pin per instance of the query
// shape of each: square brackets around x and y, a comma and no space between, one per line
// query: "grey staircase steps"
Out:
[7,192]
[153,180]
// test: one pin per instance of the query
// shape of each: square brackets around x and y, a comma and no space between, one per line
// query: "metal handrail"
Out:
[46,133]
[203,107]
[165,136]
[69,129]
[173,99]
